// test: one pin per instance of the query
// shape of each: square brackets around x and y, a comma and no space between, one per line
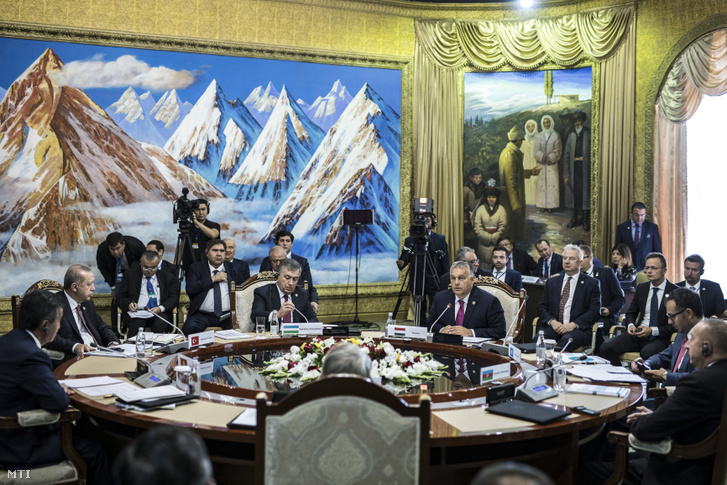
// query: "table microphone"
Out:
[299,313]
[449,305]
[174,347]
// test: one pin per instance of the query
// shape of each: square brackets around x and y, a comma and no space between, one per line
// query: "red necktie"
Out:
[83,323]
[682,351]
[460,314]
[564,299]
[289,317]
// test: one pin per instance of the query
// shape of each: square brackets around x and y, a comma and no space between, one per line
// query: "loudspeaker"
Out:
[363,217]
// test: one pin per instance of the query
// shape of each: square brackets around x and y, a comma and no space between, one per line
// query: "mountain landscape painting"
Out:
[99,139]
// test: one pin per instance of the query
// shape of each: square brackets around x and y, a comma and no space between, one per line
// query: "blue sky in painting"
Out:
[501,93]
[237,76]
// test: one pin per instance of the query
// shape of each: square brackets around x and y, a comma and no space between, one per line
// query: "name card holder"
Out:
[406,331]
[202,338]
[293,329]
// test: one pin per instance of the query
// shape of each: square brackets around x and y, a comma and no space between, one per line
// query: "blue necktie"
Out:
[637,235]
[653,315]
[152,295]
[546,268]
[217,292]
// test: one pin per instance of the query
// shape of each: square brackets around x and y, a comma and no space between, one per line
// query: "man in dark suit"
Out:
[436,253]
[501,272]
[468,255]
[550,263]
[709,292]
[684,311]
[692,412]
[166,266]
[144,286]
[284,300]
[113,257]
[571,302]
[241,266]
[612,296]
[641,236]
[649,331]
[27,382]
[285,240]
[465,309]
[202,232]
[81,327]
[520,260]
[208,287]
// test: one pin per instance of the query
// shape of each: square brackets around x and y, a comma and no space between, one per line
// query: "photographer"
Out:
[201,231]
[431,255]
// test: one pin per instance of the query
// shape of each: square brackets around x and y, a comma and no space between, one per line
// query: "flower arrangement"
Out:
[399,366]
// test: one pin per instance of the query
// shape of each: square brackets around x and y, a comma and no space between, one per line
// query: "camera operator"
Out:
[435,260]
[201,231]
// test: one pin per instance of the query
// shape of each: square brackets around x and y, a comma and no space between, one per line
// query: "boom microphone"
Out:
[449,305]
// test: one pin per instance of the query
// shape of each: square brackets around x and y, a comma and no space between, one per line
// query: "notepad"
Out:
[528,412]
[611,391]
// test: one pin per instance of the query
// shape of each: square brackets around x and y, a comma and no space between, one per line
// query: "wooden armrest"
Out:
[596,326]
[38,417]
[621,440]
[616,328]
[657,393]
[618,438]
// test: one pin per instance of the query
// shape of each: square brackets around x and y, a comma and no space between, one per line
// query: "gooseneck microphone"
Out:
[299,313]
[449,305]
[173,347]
[164,320]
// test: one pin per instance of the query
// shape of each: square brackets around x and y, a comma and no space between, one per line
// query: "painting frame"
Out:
[594,237]
[339,294]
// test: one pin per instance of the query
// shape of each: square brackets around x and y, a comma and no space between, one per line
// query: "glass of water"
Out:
[140,344]
[260,327]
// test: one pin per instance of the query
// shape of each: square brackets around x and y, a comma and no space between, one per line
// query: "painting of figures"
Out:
[527,158]
[96,139]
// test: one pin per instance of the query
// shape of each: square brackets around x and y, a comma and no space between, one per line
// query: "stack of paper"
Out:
[99,386]
[611,391]
[231,335]
[605,373]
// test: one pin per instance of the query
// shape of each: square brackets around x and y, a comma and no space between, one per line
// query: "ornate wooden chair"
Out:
[513,303]
[342,429]
[715,444]
[241,297]
[71,470]
[15,300]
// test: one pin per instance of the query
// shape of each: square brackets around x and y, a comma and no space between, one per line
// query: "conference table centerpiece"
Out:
[403,367]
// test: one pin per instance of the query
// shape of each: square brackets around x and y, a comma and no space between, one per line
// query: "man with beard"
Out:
[512,182]
[577,172]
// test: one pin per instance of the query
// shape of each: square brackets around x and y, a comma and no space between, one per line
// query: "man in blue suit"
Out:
[285,299]
[550,263]
[208,287]
[571,302]
[641,236]
[684,311]
[709,292]
[465,309]
[27,382]
[500,271]
[612,296]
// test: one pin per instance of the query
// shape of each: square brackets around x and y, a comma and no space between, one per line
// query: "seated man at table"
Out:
[571,302]
[81,327]
[500,271]
[612,296]
[467,255]
[346,358]
[144,286]
[683,311]
[27,382]
[208,287]
[466,309]
[285,299]
[240,266]
[648,331]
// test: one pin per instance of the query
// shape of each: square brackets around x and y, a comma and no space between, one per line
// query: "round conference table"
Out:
[463,436]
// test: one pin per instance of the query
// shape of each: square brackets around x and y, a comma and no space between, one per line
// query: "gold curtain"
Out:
[701,69]
[445,47]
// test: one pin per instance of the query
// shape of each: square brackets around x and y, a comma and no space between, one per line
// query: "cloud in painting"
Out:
[125,71]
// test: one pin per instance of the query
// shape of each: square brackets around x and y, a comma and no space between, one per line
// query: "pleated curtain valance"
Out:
[700,70]
[525,45]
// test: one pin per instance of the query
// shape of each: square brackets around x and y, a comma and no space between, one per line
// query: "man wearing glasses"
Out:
[641,236]
[144,286]
[648,331]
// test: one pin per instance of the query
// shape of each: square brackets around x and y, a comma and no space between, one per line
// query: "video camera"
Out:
[183,209]
[423,209]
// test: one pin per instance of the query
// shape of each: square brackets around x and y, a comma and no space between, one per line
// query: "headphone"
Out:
[706,351]
[45,329]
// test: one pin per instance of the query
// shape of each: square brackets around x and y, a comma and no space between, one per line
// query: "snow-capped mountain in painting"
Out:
[261,101]
[325,110]
[133,115]
[355,167]
[214,137]
[63,159]
[169,112]
[284,147]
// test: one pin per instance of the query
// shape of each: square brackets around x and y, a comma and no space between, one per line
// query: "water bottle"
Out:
[140,344]
[390,320]
[274,326]
[540,352]
[559,374]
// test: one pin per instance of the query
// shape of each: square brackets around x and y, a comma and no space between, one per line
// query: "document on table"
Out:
[246,419]
[90,382]
[158,338]
[231,335]
[475,340]
[109,390]
[141,314]
[149,394]
[605,373]
[580,358]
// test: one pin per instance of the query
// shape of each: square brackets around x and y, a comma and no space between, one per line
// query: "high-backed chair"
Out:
[71,470]
[340,430]
[513,303]
[241,297]
[15,300]
[715,444]
[584,348]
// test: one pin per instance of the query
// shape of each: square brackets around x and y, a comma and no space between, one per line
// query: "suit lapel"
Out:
[68,314]
[470,307]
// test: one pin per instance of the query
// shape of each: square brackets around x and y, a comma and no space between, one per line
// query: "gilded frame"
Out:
[339,295]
